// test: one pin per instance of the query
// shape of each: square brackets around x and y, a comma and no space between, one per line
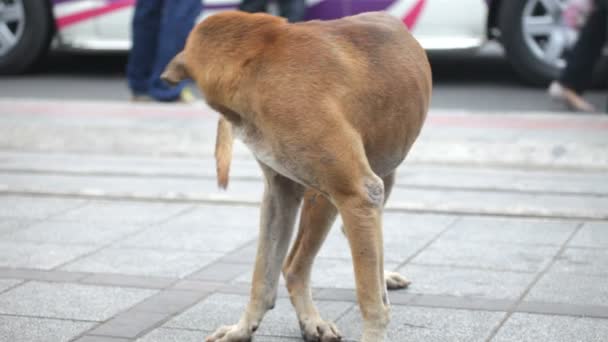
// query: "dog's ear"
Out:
[175,71]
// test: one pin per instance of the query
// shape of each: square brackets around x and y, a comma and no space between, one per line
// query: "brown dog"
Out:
[329,110]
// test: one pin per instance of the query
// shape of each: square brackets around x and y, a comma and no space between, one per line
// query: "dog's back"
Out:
[377,71]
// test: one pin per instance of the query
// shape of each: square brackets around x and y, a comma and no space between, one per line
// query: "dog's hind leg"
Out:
[316,219]
[394,280]
[360,203]
[280,204]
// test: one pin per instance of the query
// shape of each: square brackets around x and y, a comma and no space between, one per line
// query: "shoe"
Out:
[570,98]
[186,96]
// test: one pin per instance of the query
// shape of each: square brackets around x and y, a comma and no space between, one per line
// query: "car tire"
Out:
[529,67]
[34,41]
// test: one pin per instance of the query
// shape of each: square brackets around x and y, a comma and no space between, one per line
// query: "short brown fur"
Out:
[329,109]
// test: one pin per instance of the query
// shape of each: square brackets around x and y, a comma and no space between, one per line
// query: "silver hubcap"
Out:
[544,31]
[12,24]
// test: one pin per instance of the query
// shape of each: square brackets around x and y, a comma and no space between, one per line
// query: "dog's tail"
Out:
[223,151]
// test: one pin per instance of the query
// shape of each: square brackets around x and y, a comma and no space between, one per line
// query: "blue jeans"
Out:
[160,29]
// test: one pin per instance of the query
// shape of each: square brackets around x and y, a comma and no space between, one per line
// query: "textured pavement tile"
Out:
[583,261]
[592,234]
[70,301]
[513,230]
[557,287]
[533,328]
[193,237]
[32,274]
[170,301]
[327,273]
[92,338]
[174,335]
[123,211]
[223,309]
[428,324]
[465,282]
[221,272]
[180,335]
[29,329]
[8,283]
[66,232]
[396,248]
[487,255]
[217,217]
[124,280]
[129,324]
[10,225]
[147,262]
[23,207]
[243,254]
[40,256]
[403,233]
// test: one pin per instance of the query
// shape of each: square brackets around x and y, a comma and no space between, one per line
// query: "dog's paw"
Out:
[317,330]
[395,281]
[229,333]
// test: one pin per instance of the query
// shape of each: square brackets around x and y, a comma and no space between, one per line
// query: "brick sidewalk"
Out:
[111,241]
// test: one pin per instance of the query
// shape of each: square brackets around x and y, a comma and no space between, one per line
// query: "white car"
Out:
[532,31]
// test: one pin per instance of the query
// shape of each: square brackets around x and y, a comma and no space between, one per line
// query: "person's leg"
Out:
[293,10]
[253,6]
[586,52]
[178,18]
[145,28]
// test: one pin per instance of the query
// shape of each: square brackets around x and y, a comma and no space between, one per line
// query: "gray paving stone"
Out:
[10,225]
[558,287]
[466,282]
[8,283]
[29,329]
[487,255]
[583,261]
[533,328]
[129,324]
[592,234]
[513,230]
[404,234]
[327,273]
[92,338]
[194,237]
[69,232]
[123,211]
[146,262]
[222,309]
[174,335]
[180,335]
[124,280]
[243,254]
[221,272]
[41,256]
[70,301]
[32,274]
[428,324]
[25,207]
[170,301]
[397,246]
[206,217]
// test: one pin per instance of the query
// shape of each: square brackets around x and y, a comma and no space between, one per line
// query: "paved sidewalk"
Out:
[112,229]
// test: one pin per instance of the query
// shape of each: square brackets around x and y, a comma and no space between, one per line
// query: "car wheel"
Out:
[535,38]
[25,32]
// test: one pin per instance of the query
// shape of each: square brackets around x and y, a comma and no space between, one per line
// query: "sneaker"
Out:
[186,96]
[570,98]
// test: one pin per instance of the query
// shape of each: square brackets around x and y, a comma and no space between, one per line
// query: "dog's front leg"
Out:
[282,198]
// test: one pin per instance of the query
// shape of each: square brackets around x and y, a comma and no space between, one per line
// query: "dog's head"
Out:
[219,47]
[175,71]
